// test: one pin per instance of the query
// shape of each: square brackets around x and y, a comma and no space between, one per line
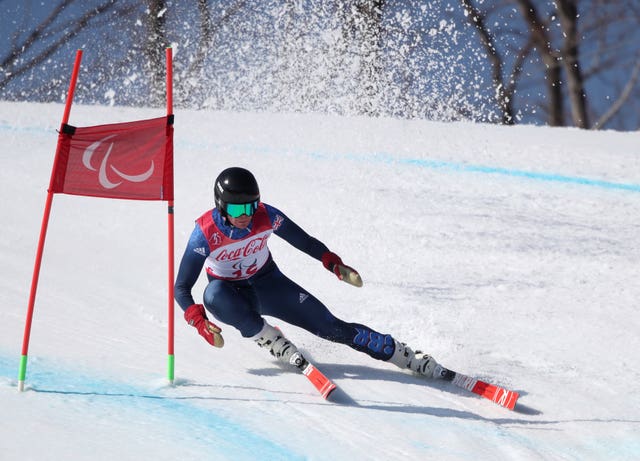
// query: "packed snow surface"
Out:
[509,253]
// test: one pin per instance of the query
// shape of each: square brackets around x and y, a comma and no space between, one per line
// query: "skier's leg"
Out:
[233,305]
[282,298]
[236,304]
[385,347]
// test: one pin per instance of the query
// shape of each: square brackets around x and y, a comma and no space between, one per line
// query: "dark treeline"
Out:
[560,63]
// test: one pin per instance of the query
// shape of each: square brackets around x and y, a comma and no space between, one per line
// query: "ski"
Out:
[499,395]
[323,384]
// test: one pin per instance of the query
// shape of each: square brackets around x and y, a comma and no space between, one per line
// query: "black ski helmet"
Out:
[235,185]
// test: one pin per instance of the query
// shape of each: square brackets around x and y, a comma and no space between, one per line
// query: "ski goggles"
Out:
[235,210]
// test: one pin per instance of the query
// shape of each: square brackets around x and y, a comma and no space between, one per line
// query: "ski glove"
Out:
[197,318]
[334,264]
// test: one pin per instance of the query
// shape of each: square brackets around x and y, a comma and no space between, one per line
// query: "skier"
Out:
[245,283]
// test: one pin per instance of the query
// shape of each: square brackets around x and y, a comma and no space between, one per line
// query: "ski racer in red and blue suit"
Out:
[230,242]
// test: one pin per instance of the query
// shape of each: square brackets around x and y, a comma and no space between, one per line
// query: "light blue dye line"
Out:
[382,157]
[550,177]
[389,159]
[230,439]
[30,129]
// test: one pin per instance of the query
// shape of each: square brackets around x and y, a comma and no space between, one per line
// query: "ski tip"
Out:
[322,384]
[498,395]
[327,393]
[511,403]
[503,397]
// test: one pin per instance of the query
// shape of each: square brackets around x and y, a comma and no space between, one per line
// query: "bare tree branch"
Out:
[503,91]
[73,27]
[33,37]
[624,96]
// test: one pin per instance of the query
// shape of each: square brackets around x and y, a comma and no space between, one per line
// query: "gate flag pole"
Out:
[136,142]
[43,229]
[170,220]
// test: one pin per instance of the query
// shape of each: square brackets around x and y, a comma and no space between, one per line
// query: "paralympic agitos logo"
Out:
[105,169]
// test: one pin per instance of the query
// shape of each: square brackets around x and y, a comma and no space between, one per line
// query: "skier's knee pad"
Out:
[377,345]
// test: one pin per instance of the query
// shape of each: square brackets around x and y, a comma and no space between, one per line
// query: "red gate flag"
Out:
[132,160]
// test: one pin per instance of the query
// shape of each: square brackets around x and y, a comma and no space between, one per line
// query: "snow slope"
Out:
[510,253]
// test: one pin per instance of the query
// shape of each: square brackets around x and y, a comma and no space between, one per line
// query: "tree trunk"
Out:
[503,92]
[568,12]
[551,60]
[155,50]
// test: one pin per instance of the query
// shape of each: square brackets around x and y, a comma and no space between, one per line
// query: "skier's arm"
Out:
[292,233]
[190,267]
[289,231]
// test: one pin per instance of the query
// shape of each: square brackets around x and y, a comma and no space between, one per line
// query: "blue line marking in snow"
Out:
[382,157]
[52,131]
[386,158]
[551,177]
[232,441]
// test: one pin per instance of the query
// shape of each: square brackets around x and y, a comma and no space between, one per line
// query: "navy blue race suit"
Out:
[245,282]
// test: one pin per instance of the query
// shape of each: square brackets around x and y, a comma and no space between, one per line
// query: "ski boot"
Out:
[418,362]
[280,347]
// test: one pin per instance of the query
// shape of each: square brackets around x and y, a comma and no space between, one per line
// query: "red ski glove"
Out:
[334,264]
[197,318]
[330,261]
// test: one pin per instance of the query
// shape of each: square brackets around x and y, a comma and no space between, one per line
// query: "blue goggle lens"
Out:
[235,210]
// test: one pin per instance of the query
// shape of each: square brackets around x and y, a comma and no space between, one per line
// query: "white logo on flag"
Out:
[102,173]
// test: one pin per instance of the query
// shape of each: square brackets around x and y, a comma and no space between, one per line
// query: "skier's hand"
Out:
[334,264]
[197,318]
[330,261]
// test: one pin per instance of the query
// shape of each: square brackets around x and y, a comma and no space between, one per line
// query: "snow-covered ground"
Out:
[510,253]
